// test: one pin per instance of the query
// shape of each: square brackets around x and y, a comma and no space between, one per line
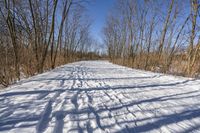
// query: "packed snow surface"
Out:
[98,96]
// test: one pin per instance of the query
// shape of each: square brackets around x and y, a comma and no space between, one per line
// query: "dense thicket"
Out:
[156,35]
[36,35]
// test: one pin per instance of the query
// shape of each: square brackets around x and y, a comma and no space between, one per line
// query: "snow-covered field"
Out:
[97,96]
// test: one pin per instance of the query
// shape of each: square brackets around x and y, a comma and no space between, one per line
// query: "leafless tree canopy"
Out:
[156,35]
[36,35]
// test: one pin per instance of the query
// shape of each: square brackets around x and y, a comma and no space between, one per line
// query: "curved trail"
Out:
[97,96]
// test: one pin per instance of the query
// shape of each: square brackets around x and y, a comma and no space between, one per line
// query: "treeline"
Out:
[155,35]
[37,35]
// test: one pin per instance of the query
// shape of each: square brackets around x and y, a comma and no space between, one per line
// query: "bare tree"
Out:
[165,27]
[191,54]
[143,46]
[67,5]
[30,41]
[10,17]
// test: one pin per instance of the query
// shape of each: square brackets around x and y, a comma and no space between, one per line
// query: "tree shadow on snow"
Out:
[9,121]
[166,120]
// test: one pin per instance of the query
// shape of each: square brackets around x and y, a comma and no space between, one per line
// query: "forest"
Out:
[155,35]
[38,35]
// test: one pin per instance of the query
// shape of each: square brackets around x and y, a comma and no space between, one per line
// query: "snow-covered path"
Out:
[97,96]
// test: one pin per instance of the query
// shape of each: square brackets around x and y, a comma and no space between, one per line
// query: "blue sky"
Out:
[98,10]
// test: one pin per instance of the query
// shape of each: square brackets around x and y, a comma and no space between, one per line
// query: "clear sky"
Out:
[98,10]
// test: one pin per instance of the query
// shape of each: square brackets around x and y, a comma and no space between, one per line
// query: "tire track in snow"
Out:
[113,96]
[102,107]
[93,117]
[123,105]
[59,115]
[77,84]
[89,101]
[92,111]
[46,114]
